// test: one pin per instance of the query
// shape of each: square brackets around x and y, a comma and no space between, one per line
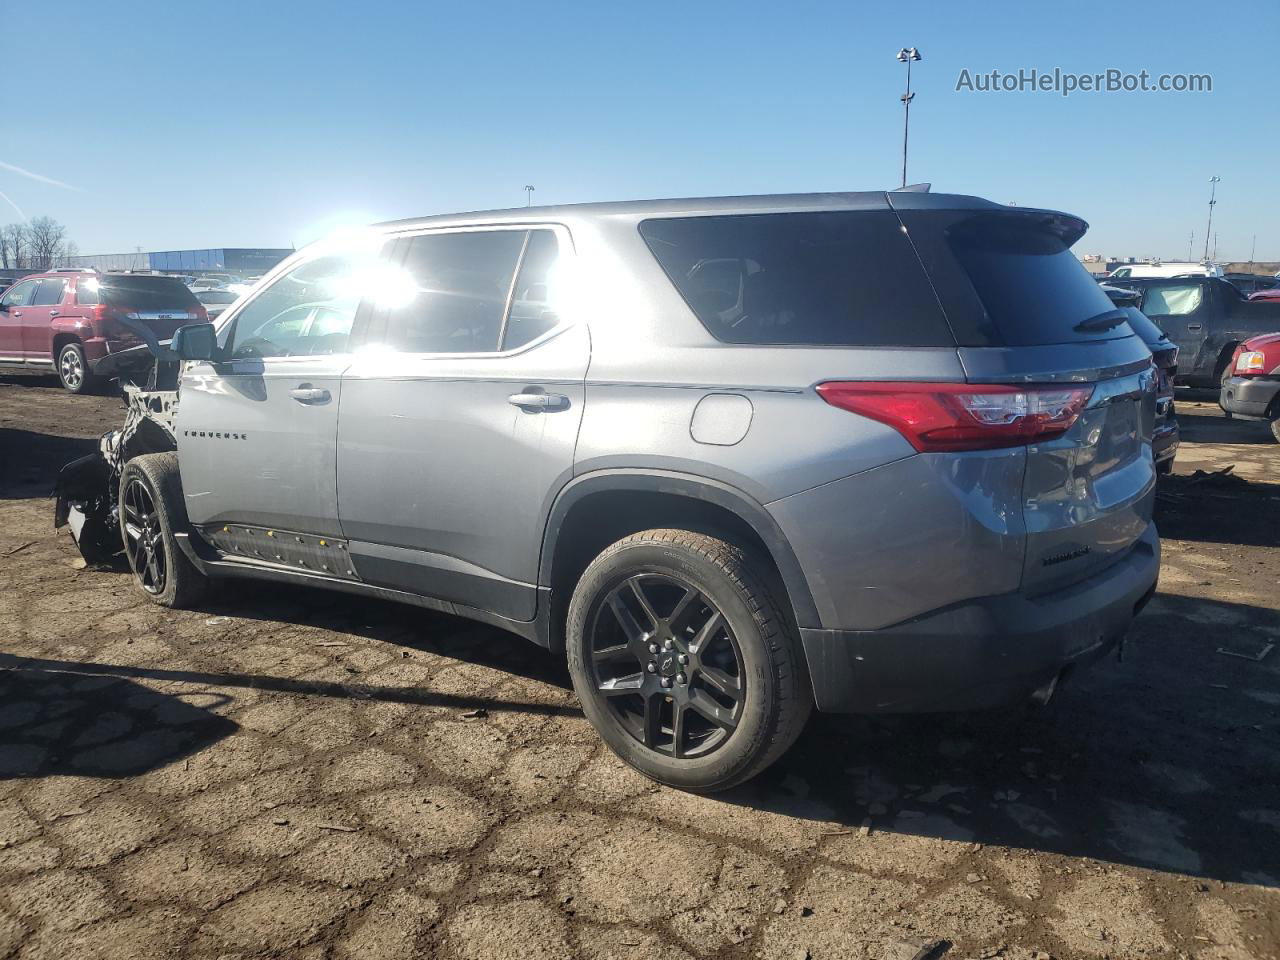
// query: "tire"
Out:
[73,369]
[1275,428]
[741,691]
[1223,376]
[151,508]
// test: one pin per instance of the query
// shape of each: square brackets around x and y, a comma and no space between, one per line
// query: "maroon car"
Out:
[71,321]
[1251,384]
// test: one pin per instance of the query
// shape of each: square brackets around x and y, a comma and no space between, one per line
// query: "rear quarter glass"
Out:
[839,278]
[1009,279]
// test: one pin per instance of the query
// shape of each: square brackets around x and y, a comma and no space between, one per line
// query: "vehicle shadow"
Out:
[58,722]
[1168,761]
[30,461]
[1218,509]
[1214,427]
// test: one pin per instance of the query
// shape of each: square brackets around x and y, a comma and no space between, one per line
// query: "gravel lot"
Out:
[290,773]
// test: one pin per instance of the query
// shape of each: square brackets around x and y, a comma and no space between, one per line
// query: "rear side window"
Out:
[1174,300]
[87,292]
[459,284]
[49,292]
[142,294]
[822,279]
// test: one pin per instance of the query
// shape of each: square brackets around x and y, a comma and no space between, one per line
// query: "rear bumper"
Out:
[981,653]
[1249,396]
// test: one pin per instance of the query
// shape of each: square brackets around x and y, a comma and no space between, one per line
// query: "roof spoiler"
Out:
[913,188]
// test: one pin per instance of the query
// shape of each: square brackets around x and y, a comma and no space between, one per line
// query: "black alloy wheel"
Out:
[144,538]
[667,662]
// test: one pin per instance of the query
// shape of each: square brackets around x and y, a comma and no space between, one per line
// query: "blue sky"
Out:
[267,123]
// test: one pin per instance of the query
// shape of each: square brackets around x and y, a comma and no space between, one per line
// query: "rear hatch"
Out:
[1024,310]
[161,304]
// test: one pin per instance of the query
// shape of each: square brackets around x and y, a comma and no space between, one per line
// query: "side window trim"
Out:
[511,293]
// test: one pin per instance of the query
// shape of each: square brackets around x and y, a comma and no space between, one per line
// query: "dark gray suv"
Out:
[735,458]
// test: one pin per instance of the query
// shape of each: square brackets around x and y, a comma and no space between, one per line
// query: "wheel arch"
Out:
[61,338]
[600,508]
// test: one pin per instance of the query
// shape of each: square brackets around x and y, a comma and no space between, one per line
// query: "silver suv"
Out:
[735,458]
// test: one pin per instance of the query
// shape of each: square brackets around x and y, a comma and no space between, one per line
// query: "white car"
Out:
[1171,268]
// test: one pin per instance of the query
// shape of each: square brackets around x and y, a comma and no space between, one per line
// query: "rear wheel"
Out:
[683,660]
[151,508]
[73,369]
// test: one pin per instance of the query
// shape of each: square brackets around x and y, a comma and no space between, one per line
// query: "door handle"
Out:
[539,401]
[16,313]
[1193,326]
[305,393]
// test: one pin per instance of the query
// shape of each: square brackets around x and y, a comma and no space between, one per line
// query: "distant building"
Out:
[240,260]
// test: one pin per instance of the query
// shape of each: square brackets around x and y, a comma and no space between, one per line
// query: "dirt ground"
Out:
[297,774]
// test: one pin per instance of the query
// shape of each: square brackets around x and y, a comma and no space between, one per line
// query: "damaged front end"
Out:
[87,489]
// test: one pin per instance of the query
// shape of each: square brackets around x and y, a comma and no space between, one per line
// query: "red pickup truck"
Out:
[1251,385]
[70,321]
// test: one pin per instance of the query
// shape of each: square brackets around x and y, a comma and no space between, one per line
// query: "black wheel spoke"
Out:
[651,722]
[703,636]
[611,653]
[622,686]
[720,681]
[678,714]
[637,591]
[630,626]
[711,710]
[682,608]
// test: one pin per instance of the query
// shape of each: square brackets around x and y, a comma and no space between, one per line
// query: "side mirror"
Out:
[197,341]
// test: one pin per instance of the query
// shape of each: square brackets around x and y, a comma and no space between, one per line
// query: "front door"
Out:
[12,307]
[459,420]
[1182,310]
[256,430]
[38,317]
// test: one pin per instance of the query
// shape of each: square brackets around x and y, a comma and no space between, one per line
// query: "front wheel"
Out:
[684,661]
[151,508]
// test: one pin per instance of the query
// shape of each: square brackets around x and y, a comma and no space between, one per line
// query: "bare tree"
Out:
[46,238]
[14,246]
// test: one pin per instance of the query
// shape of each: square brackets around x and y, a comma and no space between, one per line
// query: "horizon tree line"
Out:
[39,244]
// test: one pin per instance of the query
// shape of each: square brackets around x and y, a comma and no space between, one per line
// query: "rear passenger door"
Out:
[459,418]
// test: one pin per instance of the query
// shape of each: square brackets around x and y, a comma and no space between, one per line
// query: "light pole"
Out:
[528,194]
[1213,191]
[907,55]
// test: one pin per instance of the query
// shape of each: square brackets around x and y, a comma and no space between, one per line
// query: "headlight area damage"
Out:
[88,489]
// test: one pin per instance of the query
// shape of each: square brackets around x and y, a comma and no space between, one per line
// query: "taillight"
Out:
[937,417]
[1251,361]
